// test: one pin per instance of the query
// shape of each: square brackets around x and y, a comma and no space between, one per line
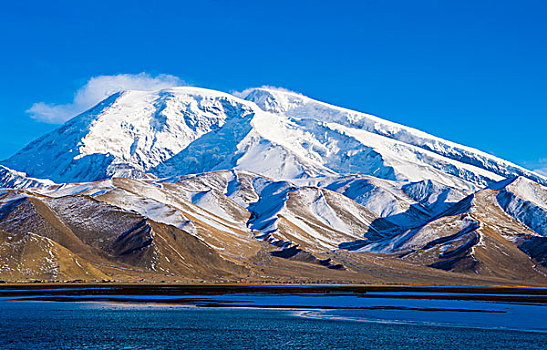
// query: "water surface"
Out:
[269,321]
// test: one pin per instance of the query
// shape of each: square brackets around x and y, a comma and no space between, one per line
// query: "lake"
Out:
[86,319]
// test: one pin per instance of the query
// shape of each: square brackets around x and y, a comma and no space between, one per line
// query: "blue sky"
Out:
[473,72]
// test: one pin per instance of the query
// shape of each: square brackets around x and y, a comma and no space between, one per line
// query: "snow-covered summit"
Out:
[127,134]
[299,106]
[275,133]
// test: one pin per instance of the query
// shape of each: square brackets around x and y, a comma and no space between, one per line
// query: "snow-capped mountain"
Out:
[265,184]
[302,108]
[127,134]
[274,133]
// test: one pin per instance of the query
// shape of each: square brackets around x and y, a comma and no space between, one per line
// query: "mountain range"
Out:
[266,185]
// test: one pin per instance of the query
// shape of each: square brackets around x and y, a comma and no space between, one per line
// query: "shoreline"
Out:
[154,292]
[496,308]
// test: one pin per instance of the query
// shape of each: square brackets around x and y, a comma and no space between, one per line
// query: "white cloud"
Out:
[245,93]
[97,89]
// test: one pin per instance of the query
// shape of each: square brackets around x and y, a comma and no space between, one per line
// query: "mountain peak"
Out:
[197,172]
[273,100]
[270,131]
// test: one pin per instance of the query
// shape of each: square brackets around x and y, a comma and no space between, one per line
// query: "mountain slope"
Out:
[238,226]
[489,224]
[127,134]
[277,134]
[15,179]
[191,184]
[303,108]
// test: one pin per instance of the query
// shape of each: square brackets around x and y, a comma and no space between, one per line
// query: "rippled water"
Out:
[410,325]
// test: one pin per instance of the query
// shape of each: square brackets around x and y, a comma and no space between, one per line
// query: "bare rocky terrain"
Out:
[230,227]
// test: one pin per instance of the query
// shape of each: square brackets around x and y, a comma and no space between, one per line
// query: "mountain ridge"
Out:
[195,184]
[156,126]
[127,229]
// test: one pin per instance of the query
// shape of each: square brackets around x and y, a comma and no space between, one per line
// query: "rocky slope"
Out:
[15,179]
[239,226]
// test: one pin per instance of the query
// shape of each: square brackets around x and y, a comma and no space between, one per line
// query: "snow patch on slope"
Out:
[16,179]
[526,201]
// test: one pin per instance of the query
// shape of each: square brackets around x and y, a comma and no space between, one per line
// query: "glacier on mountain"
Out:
[283,135]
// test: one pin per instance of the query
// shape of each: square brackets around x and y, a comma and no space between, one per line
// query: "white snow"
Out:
[224,156]
[274,133]
[15,179]
[525,201]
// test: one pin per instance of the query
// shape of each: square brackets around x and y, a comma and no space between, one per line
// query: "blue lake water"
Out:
[262,321]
